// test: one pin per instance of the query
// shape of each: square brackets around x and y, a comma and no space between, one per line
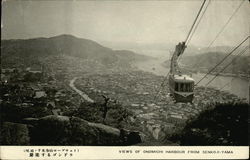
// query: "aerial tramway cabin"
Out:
[181,85]
[181,88]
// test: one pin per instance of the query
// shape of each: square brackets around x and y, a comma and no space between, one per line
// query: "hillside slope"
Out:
[206,61]
[14,51]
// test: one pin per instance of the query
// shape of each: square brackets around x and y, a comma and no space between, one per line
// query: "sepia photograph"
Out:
[124,73]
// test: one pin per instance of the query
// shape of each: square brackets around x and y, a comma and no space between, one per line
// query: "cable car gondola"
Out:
[181,85]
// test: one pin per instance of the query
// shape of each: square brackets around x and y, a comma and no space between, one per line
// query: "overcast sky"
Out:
[125,21]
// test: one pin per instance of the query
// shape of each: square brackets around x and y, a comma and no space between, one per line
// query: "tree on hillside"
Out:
[226,124]
[14,134]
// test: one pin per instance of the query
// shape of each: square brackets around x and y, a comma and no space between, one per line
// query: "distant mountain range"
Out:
[162,50]
[64,45]
[27,51]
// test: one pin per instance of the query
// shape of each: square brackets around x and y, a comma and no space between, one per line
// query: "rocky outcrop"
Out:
[63,130]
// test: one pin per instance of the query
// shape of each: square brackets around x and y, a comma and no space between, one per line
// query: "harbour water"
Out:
[235,85]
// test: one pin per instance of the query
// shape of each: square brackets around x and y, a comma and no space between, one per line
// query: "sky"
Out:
[129,21]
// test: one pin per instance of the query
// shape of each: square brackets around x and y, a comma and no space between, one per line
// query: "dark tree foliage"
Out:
[14,113]
[14,134]
[226,124]
[89,111]
[112,114]
[10,112]
[32,77]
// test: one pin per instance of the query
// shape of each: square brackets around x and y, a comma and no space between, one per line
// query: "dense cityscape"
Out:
[90,101]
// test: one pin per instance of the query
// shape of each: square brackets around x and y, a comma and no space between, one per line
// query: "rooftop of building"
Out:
[182,77]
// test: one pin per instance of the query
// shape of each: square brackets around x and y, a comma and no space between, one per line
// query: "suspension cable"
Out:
[226,84]
[196,26]
[241,53]
[183,48]
[226,23]
[195,20]
[222,60]
[222,29]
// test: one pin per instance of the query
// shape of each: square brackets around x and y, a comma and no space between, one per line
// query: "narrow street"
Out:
[83,95]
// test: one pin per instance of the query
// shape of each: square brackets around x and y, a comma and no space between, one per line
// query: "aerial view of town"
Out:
[70,89]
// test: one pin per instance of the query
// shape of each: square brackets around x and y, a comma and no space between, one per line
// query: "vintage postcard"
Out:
[124,79]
